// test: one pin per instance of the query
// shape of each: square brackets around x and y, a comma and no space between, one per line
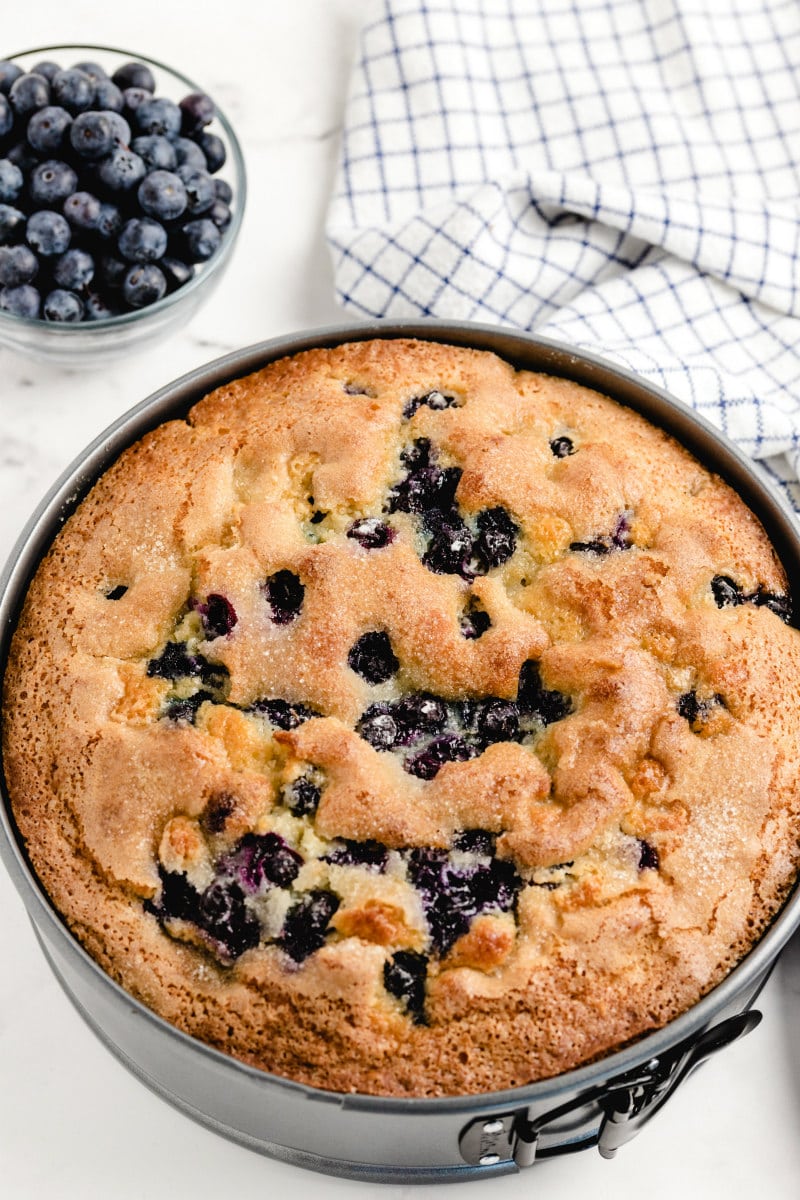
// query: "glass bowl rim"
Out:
[65,330]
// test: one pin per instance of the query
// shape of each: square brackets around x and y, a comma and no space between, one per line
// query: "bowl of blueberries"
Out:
[122,191]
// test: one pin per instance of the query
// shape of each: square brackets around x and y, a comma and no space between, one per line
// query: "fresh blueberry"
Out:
[10,181]
[302,796]
[562,447]
[404,976]
[112,270]
[93,135]
[200,239]
[82,210]
[306,924]
[497,538]
[259,859]
[199,189]
[474,622]
[121,170]
[73,90]
[62,306]
[162,194]
[223,191]
[378,727]
[7,117]
[142,240]
[92,69]
[225,917]
[371,533]
[648,856]
[176,272]
[158,116]
[12,224]
[155,151]
[47,69]
[284,593]
[372,657]
[108,97]
[218,616]
[51,182]
[97,307]
[18,265]
[213,148]
[23,156]
[28,93]
[134,75]
[536,701]
[188,154]
[447,748]
[133,98]
[282,714]
[144,284]
[48,233]
[48,130]
[9,72]
[22,301]
[197,110]
[370,854]
[435,400]
[109,221]
[74,270]
[220,214]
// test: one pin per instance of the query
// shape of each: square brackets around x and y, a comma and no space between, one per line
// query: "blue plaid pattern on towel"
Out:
[618,174]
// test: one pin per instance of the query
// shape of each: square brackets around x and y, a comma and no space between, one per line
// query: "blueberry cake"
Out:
[404,724]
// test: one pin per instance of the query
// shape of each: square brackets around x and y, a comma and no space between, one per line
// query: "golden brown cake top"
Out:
[450,710]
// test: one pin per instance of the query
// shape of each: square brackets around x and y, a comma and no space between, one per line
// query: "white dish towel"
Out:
[622,175]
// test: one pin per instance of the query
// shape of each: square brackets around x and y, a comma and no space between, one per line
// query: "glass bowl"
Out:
[94,343]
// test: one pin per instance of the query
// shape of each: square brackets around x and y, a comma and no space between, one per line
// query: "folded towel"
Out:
[619,174]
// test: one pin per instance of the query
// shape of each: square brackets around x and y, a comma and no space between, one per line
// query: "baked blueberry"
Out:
[282,714]
[475,841]
[117,592]
[378,727]
[184,711]
[306,924]
[284,593]
[452,896]
[372,657]
[174,662]
[497,538]
[495,720]
[436,400]
[419,715]
[302,796]
[449,747]
[371,533]
[225,917]
[259,859]
[404,976]
[562,446]
[426,488]
[218,616]
[779,604]
[474,621]
[696,710]
[450,550]
[538,702]
[360,854]
[648,856]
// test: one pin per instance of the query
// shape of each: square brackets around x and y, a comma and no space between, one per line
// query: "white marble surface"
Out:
[73,1123]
